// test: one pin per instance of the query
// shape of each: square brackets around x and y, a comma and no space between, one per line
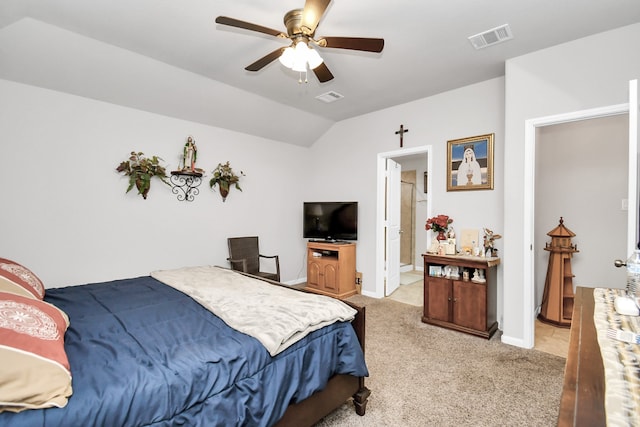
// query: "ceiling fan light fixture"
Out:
[301,49]
[297,58]
[314,58]
[300,57]
[288,57]
[299,65]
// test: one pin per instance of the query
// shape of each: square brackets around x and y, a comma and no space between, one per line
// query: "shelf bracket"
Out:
[185,184]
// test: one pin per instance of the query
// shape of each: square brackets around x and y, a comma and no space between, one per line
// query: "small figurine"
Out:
[489,239]
[451,233]
[475,249]
[478,276]
[190,155]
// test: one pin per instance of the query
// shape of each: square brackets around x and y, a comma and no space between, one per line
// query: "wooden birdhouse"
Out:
[557,299]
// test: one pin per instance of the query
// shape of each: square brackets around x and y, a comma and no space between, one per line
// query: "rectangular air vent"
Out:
[329,97]
[493,36]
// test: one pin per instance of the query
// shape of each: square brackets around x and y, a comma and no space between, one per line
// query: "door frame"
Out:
[380,207]
[528,253]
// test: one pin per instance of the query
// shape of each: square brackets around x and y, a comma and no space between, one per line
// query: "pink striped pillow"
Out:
[18,279]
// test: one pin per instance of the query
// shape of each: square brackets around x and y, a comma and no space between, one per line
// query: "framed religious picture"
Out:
[470,163]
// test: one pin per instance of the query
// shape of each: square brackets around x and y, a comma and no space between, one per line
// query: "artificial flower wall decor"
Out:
[140,170]
[224,177]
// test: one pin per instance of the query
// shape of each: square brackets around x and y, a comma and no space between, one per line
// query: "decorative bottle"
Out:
[633,276]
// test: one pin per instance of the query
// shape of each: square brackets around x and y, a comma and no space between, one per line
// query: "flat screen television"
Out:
[330,221]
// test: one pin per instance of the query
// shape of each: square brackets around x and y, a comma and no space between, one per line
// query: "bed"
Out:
[142,352]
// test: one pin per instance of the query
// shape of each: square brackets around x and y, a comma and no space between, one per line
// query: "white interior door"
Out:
[392,228]
[632,238]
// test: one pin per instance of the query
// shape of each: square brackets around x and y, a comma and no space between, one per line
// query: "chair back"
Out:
[245,248]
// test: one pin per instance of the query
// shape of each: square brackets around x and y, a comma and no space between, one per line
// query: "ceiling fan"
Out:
[301,26]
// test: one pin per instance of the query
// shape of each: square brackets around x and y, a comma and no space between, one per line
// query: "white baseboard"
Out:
[296,281]
[371,294]
[517,342]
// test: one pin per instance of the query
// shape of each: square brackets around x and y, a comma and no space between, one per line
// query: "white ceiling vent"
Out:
[493,36]
[329,97]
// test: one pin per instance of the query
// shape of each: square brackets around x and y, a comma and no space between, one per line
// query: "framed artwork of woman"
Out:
[470,163]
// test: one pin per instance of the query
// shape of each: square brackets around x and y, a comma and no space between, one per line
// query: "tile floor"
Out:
[551,339]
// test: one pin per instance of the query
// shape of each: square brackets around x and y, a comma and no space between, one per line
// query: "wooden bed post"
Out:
[361,398]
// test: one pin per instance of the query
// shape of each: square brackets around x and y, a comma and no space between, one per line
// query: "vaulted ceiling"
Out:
[171,58]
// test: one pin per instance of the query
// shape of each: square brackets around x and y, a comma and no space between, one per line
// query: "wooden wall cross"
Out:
[402,131]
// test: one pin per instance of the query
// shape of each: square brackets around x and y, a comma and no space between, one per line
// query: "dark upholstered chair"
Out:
[244,256]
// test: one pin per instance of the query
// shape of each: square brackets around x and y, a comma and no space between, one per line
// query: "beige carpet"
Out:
[423,375]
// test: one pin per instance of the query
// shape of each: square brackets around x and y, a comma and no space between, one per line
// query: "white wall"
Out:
[65,213]
[345,161]
[587,73]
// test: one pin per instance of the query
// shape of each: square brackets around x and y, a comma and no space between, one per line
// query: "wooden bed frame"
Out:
[339,388]
[582,402]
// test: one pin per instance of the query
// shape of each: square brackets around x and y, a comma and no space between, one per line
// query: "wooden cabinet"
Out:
[331,269]
[464,305]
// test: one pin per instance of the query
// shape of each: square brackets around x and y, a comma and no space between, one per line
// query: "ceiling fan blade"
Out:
[353,43]
[225,20]
[313,11]
[322,73]
[265,60]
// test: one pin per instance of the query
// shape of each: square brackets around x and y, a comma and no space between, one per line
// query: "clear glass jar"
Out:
[633,276]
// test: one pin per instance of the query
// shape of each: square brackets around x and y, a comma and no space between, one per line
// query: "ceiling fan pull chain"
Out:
[305,77]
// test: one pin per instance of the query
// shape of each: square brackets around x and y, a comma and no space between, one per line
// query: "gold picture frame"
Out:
[472,156]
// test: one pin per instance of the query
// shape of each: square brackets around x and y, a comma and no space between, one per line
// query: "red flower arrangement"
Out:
[438,223]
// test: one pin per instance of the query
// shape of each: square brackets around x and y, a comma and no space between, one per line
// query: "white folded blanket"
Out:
[274,315]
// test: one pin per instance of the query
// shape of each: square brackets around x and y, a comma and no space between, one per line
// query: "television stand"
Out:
[331,268]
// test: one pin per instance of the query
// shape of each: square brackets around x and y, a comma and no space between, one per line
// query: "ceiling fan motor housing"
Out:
[293,22]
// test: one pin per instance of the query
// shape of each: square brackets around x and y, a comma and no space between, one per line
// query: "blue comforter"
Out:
[145,354]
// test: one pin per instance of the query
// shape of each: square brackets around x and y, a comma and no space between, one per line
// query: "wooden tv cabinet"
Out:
[331,269]
[456,303]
